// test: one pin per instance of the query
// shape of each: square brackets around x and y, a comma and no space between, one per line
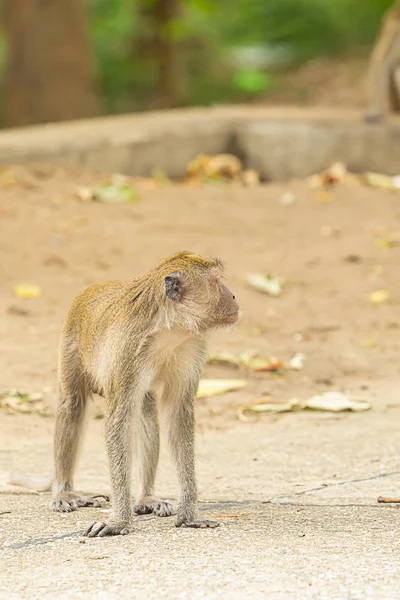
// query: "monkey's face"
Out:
[202,300]
[227,309]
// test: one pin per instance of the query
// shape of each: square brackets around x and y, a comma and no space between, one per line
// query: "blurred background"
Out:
[71,59]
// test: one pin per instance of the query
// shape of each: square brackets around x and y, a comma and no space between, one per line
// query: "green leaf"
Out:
[252,81]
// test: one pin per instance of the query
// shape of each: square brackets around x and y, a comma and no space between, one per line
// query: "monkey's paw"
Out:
[102,529]
[158,507]
[67,502]
[198,524]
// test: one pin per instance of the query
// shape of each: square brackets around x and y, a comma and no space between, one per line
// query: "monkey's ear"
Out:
[173,287]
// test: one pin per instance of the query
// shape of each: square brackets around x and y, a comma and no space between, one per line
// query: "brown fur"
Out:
[122,340]
[384,69]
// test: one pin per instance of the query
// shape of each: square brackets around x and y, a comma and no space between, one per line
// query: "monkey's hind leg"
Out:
[68,429]
[148,448]
[118,431]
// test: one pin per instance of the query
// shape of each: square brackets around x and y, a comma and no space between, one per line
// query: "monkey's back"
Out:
[97,309]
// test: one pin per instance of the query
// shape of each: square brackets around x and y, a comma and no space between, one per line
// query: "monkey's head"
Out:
[194,295]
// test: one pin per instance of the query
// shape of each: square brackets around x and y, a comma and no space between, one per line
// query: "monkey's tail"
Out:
[39,484]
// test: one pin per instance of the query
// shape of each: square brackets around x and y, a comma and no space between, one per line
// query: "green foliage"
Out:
[252,81]
[203,31]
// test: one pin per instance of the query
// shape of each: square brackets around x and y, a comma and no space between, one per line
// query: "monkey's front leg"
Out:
[181,438]
[118,442]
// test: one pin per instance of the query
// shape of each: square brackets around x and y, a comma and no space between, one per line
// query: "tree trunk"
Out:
[49,68]
[164,12]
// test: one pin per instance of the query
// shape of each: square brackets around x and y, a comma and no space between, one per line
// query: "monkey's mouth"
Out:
[231,317]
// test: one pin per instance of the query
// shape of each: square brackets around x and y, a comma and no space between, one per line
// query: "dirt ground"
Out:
[329,254]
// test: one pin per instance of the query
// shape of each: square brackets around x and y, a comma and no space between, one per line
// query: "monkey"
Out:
[384,69]
[123,340]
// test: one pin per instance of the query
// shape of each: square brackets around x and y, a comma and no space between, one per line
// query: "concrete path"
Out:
[296,498]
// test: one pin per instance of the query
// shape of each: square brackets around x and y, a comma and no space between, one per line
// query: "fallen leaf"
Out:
[266,283]
[386,239]
[327,401]
[84,194]
[254,362]
[15,401]
[224,358]
[220,166]
[159,176]
[382,243]
[379,296]
[324,196]
[27,291]
[255,331]
[250,177]
[336,402]
[261,405]
[8,178]
[197,166]
[116,189]
[368,343]
[215,387]
[18,310]
[333,175]
[288,198]
[297,361]
[248,360]
[55,261]
[382,182]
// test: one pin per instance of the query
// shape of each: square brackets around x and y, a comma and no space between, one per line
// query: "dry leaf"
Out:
[297,361]
[220,166]
[324,196]
[250,177]
[336,402]
[224,358]
[254,362]
[368,343]
[116,189]
[328,401]
[333,175]
[261,405]
[197,166]
[248,360]
[382,182]
[15,401]
[288,198]
[27,291]
[266,283]
[215,387]
[379,296]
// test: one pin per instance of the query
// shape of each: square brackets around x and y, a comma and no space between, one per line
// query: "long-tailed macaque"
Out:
[384,69]
[120,340]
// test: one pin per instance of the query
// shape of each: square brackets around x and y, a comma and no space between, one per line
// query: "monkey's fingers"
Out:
[200,524]
[104,496]
[161,508]
[101,529]
[383,500]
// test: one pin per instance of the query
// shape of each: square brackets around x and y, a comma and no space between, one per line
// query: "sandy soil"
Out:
[326,250]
